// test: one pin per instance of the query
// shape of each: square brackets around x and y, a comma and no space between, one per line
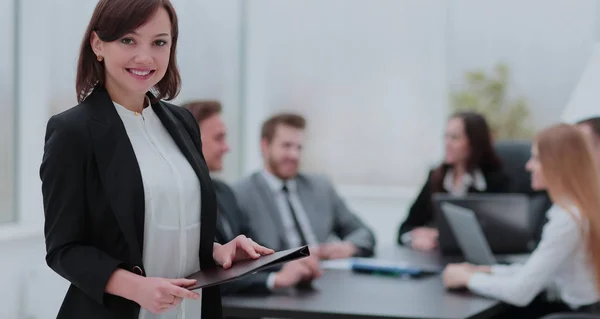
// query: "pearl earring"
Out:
[99,58]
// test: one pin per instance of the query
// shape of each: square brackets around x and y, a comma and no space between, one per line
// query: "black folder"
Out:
[240,269]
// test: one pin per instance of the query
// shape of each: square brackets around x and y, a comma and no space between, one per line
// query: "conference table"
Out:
[341,293]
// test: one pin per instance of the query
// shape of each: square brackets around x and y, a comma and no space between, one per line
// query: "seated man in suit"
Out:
[233,221]
[290,209]
[591,128]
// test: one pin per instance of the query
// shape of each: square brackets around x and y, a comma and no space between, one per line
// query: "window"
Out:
[7,111]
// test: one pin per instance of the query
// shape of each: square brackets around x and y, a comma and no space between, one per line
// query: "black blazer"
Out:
[421,212]
[94,204]
[233,221]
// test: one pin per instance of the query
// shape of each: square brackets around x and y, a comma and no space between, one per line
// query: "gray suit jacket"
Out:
[326,211]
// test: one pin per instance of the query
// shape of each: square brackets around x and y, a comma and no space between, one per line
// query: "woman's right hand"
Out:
[161,294]
[424,238]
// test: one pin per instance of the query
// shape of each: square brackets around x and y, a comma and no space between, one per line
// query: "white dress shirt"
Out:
[172,205]
[560,260]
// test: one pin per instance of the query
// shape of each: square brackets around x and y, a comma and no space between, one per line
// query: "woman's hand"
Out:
[424,238]
[458,275]
[158,295]
[240,248]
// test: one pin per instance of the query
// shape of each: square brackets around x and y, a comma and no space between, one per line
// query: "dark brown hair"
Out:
[201,110]
[287,119]
[594,123]
[111,20]
[483,155]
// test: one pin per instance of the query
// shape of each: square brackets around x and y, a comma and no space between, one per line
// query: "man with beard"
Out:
[289,209]
[232,220]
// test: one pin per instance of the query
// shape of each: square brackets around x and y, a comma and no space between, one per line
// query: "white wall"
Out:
[7,89]
[344,64]
[584,102]
[31,290]
[21,245]
[367,76]
[545,43]
[209,57]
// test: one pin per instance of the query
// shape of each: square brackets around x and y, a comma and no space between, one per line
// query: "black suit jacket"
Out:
[94,204]
[233,221]
[421,212]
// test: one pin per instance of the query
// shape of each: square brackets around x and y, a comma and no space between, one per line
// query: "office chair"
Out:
[571,316]
[514,155]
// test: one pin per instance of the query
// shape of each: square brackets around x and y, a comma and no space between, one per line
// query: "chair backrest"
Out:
[514,155]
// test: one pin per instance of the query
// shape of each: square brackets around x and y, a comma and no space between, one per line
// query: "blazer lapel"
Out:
[181,138]
[264,191]
[208,215]
[118,169]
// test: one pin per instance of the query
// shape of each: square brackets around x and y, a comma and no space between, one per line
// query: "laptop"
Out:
[503,218]
[469,235]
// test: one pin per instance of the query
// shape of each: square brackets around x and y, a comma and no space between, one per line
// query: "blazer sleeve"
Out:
[349,227]
[63,188]
[420,213]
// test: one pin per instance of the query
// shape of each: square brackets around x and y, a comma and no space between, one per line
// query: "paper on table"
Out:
[343,264]
[346,264]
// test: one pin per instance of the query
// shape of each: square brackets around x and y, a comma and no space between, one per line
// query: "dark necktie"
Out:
[294,216]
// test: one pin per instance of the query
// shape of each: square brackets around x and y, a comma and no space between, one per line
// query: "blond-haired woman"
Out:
[568,255]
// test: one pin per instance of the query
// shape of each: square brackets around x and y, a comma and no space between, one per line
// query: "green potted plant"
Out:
[487,95]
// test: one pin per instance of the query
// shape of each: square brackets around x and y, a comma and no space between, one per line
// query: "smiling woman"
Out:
[140,42]
[128,201]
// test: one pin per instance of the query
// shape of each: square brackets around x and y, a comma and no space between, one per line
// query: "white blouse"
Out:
[560,260]
[474,179]
[172,205]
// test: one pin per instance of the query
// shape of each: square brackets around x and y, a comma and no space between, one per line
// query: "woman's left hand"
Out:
[240,248]
[458,275]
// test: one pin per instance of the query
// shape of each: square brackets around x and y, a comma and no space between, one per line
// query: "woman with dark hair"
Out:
[128,201]
[470,166]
